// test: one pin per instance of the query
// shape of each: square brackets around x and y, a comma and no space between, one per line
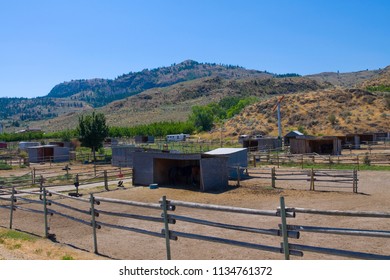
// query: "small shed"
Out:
[326,145]
[236,157]
[48,153]
[356,139]
[292,134]
[195,171]
[262,144]
[25,145]
[141,139]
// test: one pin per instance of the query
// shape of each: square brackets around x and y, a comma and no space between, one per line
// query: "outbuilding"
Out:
[48,153]
[325,145]
[292,134]
[237,157]
[195,171]
[262,144]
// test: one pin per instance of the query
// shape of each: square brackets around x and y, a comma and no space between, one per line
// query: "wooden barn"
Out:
[236,157]
[48,153]
[140,139]
[195,171]
[262,144]
[326,145]
[291,135]
[122,155]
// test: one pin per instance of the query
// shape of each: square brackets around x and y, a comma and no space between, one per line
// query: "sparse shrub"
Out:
[367,160]
[332,119]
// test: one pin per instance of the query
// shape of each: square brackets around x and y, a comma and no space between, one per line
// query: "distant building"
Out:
[140,139]
[37,129]
[47,153]
[25,145]
[326,145]
[291,135]
[262,144]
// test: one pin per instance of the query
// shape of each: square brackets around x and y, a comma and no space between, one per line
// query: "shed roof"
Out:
[294,133]
[225,151]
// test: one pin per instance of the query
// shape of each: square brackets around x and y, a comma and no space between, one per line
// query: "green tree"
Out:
[92,130]
[202,117]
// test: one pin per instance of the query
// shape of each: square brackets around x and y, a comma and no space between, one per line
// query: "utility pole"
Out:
[277,106]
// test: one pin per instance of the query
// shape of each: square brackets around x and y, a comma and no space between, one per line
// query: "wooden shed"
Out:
[48,153]
[141,139]
[326,145]
[196,171]
[292,134]
[236,157]
[262,144]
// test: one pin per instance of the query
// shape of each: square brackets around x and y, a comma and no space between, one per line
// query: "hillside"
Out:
[175,102]
[345,79]
[99,92]
[380,82]
[322,112]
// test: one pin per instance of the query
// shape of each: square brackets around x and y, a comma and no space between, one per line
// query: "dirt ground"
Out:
[374,195]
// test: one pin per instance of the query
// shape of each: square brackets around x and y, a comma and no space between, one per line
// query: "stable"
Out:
[122,155]
[48,153]
[326,145]
[291,135]
[195,171]
[237,159]
[262,144]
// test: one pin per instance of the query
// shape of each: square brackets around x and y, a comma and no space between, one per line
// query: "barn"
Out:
[326,145]
[195,171]
[48,153]
[292,134]
[236,157]
[262,144]
[122,155]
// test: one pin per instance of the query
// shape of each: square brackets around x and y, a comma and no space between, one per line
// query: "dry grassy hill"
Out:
[175,102]
[321,112]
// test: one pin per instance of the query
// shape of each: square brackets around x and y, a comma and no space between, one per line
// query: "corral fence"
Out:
[60,175]
[315,178]
[50,203]
[301,159]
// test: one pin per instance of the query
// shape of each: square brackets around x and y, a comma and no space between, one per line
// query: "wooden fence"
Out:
[316,178]
[358,160]
[59,176]
[92,215]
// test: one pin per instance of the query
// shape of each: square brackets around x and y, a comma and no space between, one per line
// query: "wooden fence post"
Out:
[33,176]
[45,213]
[254,161]
[355,181]
[277,158]
[285,245]
[11,214]
[238,176]
[357,162]
[273,177]
[166,227]
[93,223]
[302,161]
[106,180]
[312,179]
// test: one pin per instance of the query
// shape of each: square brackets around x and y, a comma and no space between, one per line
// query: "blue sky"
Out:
[43,43]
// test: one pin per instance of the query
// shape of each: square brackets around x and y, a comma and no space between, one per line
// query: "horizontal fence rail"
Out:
[96,215]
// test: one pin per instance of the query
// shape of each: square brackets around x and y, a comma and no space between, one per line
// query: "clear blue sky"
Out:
[43,43]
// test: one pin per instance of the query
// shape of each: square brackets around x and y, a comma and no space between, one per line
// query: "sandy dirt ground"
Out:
[373,195]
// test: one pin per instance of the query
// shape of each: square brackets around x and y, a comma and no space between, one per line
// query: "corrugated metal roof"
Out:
[225,151]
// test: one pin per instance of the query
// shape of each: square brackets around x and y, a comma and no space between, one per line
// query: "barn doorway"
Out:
[177,173]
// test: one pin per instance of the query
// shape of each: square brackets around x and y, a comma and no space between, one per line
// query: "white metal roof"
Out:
[225,151]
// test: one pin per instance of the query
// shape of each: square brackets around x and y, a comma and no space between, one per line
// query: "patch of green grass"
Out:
[67,257]
[16,246]
[12,234]
[4,166]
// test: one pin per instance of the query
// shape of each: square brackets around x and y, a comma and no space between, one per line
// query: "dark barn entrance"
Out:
[176,172]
